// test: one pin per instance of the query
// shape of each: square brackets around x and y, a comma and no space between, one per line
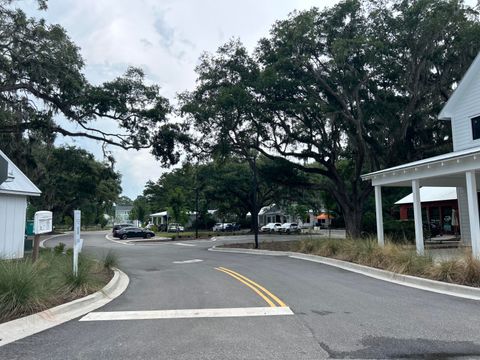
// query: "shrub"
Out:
[59,248]
[471,272]
[110,260]
[85,281]
[448,270]
[69,252]
[21,289]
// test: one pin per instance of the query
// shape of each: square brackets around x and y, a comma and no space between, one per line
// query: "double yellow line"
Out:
[258,289]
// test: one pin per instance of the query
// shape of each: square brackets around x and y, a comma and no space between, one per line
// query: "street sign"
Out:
[42,222]
[77,242]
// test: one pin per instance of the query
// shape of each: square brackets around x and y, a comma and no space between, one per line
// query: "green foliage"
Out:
[21,289]
[51,82]
[85,281]
[59,249]
[140,209]
[226,186]
[27,287]
[110,260]
[338,92]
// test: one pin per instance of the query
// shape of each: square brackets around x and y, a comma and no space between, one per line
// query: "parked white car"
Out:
[290,228]
[173,227]
[217,227]
[270,227]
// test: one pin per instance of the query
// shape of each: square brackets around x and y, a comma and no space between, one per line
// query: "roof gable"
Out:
[17,183]
[472,74]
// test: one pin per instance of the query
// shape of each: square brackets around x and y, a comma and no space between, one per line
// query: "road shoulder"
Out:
[466,292]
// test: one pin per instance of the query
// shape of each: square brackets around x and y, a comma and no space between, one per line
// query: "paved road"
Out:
[337,314]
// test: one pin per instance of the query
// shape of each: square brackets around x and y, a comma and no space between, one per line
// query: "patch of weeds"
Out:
[59,249]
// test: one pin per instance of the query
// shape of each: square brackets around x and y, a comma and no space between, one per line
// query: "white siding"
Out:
[467,108]
[13,210]
[463,215]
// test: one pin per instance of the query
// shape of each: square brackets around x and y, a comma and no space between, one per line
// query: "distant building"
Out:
[122,213]
[439,207]
[15,187]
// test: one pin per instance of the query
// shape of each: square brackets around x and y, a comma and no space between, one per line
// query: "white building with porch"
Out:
[459,168]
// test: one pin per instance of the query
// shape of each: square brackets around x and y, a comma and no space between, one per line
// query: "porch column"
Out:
[379,215]
[417,215]
[473,212]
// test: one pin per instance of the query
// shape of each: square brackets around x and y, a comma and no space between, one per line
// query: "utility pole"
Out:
[255,200]
[196,211]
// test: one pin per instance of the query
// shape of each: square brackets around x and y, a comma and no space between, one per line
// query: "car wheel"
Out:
[148,236]
[124,237]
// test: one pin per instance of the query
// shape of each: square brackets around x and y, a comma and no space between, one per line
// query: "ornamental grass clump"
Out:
[22,288]
[110,260]
[85,281]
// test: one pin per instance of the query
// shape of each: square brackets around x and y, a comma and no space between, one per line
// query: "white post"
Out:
[379,215]
[76,239]
[473,212]
[417,214]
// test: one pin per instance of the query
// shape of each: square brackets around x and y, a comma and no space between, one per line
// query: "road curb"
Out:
[29,325]
[440,287]
[251,251]
[42,242]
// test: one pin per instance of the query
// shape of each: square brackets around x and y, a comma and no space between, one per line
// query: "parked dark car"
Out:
[231,227]
[117,227]
[130,232]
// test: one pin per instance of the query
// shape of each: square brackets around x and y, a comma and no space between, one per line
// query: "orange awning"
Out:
[324,216]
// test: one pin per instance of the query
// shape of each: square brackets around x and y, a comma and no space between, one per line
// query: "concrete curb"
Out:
[42,242]
[440,287]
[20,328]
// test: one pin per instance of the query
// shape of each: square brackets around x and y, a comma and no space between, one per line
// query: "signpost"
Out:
[77,241]
[42,224]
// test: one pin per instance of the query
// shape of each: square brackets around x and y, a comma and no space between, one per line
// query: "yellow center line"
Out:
[232,273]
[280,302]
[269,302]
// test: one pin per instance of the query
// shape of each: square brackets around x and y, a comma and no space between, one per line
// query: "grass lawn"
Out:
[397,258]
[27,287]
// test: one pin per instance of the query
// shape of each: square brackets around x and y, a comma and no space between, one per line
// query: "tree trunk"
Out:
[353,222]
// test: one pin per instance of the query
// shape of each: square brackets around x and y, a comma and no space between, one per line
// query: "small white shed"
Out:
[14,189]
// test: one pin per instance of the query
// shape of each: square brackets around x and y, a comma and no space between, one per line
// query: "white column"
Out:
[473,212]
[417,215]
[379,215]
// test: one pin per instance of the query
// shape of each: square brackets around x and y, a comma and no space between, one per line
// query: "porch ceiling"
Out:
[444,170]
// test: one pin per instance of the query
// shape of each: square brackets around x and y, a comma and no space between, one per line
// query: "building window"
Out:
[476,127]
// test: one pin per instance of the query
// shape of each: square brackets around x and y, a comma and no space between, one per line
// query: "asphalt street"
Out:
[336,313]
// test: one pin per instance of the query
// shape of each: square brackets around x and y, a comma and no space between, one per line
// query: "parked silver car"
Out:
[290,228]
[270,227]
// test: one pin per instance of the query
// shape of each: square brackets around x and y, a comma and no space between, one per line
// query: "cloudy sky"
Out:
[165,38]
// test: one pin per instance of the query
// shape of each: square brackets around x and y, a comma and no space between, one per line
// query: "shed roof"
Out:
[159,214]
[17,183]
[431,193]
